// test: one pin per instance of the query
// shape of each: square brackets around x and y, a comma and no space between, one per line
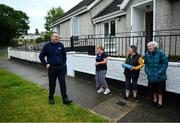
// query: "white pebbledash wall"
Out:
[86,64]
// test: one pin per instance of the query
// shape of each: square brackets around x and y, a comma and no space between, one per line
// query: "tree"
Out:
[37,31]
[47,36]
[13,24]
[52,15]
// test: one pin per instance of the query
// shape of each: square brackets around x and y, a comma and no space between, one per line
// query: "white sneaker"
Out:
[107,91]
[101,90]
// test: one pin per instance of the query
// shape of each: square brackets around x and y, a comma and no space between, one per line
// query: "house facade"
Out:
[140,15]
[124,18]
[91,17]
[78,20]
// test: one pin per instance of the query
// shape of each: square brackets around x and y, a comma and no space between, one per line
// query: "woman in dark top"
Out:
[136,61]
[101,69]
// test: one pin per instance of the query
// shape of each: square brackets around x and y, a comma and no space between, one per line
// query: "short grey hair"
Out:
[155,44]
[54,33]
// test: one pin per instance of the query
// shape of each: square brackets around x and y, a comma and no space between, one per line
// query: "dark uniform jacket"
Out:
[55,54]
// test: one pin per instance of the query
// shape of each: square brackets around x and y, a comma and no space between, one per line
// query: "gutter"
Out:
[109,16]
[67,17]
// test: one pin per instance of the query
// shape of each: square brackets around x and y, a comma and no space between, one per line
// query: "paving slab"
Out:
[115,108]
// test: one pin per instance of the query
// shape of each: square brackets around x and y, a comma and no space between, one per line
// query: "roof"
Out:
[125,4]
[113,7]
[79,6]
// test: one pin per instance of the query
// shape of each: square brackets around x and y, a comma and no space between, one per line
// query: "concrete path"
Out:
[84,93]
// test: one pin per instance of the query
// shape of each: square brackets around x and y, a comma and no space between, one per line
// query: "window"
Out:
[113,28]
[74,26]
[106,29]
[110,28]
[110,43]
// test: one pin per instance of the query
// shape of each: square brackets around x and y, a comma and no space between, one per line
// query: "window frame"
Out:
[72,30]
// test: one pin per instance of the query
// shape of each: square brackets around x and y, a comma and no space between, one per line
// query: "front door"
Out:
[149,27]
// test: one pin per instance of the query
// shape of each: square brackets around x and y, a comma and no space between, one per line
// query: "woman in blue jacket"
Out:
[156,64]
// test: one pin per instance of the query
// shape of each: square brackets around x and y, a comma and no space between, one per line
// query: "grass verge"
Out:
[23,101]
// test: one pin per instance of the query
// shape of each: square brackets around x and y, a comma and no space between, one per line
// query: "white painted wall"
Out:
[86,26]
[70,64]
[56,28]
[120,26]
[65,29]
[86,64]
[138,20]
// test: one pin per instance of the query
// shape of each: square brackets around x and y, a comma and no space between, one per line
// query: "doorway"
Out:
[142,16]
[149,27]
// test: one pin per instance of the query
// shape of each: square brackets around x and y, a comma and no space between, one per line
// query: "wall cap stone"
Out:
[174,64]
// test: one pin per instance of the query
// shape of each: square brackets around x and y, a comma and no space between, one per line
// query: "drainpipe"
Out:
[154,18]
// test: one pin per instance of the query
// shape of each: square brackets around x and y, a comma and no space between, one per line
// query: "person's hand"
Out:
[47,66]
[132,68]
[97,63]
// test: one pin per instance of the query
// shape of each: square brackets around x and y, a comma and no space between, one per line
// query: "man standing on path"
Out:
[56,65]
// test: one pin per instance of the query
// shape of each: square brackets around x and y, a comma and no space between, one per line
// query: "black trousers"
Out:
[131,86]
[55,72]
[157,87]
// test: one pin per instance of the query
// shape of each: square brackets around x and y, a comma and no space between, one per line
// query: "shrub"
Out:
[173,58]
[39,40]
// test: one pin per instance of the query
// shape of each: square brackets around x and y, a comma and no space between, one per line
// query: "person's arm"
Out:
[64,54]
[164,63]
[103,62]
[141,64]
[42,56]
[147,68]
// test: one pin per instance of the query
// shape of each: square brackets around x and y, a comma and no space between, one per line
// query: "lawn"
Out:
[23,101]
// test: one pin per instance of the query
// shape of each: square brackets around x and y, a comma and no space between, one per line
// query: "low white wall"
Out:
[86,64]
[24,55]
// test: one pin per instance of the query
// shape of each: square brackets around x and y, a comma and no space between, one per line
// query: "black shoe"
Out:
[159,106]
[126,98]
[136,100]
[154,104]
[51,101]
[66,101]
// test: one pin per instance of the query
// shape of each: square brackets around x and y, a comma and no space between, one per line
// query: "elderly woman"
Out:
[101,69]
[135,61]
[156,64]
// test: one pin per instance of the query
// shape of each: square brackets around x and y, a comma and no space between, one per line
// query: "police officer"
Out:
[56,65]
